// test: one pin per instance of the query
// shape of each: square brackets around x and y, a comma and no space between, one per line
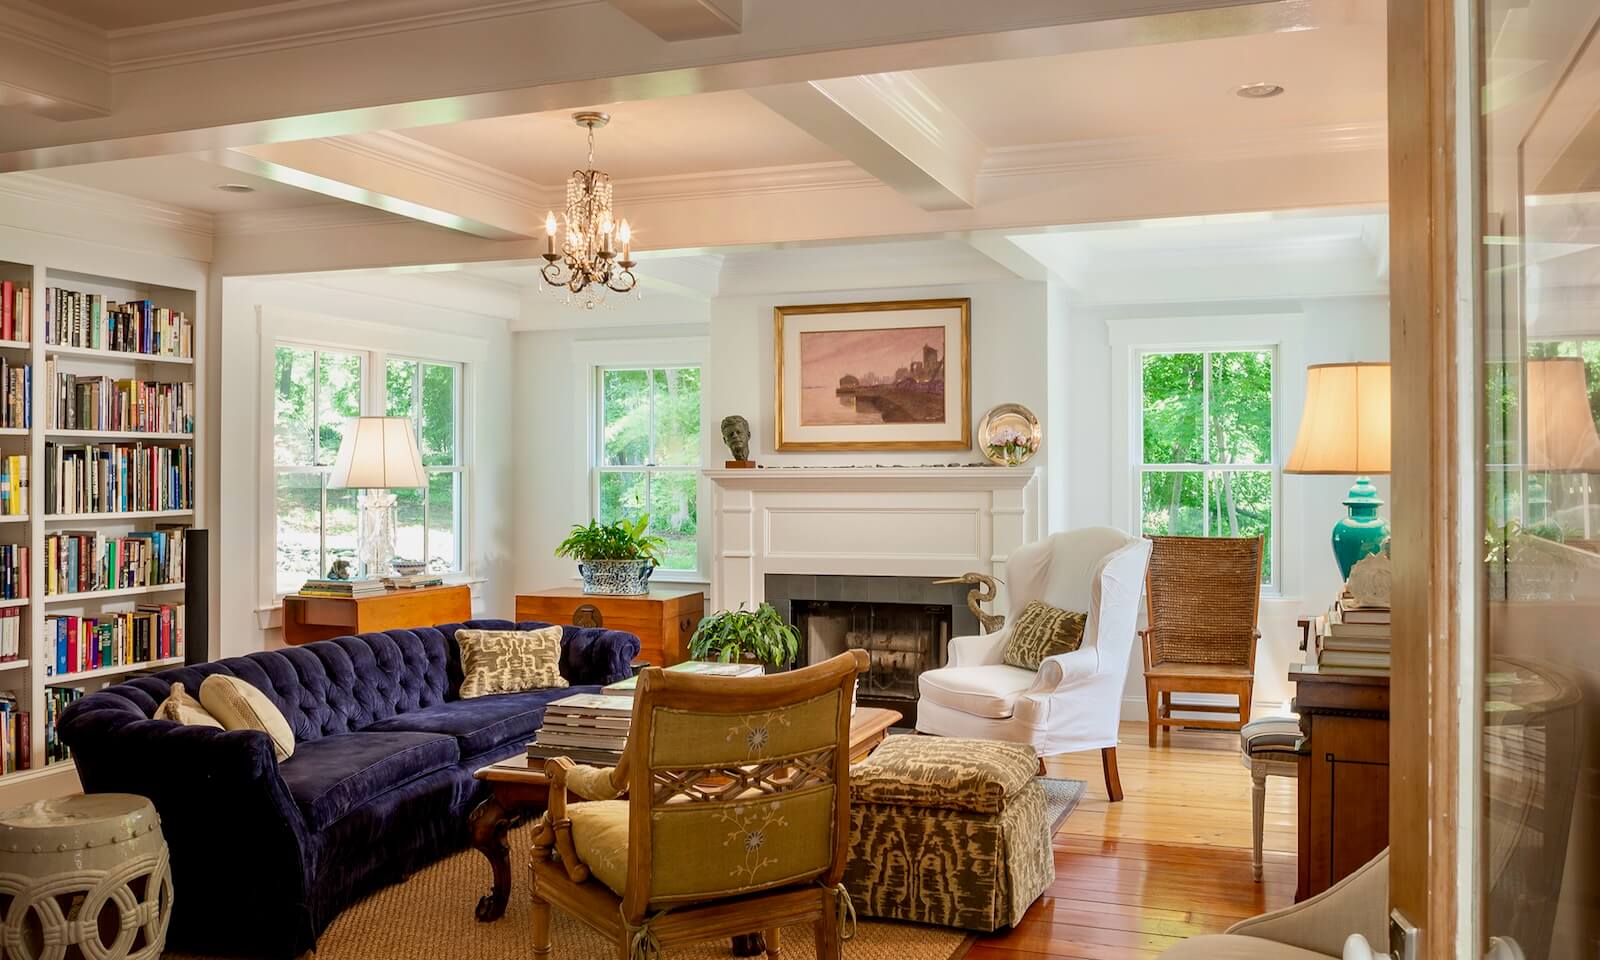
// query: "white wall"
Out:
[254,311]
[1099,481]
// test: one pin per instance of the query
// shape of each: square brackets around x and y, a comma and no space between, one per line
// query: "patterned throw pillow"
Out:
[1043,631]
[509,661]
[179,707]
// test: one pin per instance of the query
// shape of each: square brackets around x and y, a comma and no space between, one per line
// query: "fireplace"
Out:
[904,623]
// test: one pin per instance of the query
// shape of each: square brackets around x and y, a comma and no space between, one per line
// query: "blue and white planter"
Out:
[616,578]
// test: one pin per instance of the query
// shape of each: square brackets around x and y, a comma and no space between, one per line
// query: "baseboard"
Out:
[1133,708]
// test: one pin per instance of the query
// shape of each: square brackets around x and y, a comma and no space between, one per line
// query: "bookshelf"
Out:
[43,263]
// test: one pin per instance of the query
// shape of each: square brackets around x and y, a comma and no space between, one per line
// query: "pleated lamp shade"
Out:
[378,453]
[1561,430]
[1345,426]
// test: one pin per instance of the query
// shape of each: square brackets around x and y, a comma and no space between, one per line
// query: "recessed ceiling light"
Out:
[1258,91]
[236,188]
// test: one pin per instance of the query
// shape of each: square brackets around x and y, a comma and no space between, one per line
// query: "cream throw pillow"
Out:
[179,707]
[509,661]
[240,706]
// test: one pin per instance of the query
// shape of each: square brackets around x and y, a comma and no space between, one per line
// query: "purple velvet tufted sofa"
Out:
[266,854]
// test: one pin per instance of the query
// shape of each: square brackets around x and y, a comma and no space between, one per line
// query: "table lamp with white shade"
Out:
[378,454]
[1560,424]
[1344,430]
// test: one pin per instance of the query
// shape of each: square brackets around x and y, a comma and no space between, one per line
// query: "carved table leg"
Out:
[489,823]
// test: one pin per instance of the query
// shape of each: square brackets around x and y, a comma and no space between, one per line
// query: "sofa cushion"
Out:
[330,776]
[600,836]
[950,773]
[988,691]
[483,723]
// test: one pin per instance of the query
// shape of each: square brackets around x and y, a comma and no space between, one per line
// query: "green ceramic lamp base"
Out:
[1362,532]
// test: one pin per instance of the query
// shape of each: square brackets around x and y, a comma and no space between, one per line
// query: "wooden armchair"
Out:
[1203,595]
[737,817]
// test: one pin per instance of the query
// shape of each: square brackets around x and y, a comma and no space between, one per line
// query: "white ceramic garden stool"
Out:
[86,876]
[1269,747]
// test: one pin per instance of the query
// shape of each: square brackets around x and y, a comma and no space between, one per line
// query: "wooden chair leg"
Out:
[541,926]
[1246,692]
[773,945]
[1258,815]
[1108,762]
[1152,702]
[828,928]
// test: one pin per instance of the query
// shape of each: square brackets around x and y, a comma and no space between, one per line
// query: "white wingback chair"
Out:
[1074,701]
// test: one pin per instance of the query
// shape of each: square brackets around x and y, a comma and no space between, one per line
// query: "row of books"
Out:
[593,727]
[16,734]
[74,319]
[74,644]
[10,634]
[104,403]
[57,699]
[14,485]
[81,561]
[16,310]
[16,395]
[342,588]
[13,572]
[118,477]
[1353,639]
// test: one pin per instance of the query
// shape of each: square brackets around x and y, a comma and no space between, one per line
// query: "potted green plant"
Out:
[762,635]
[614,559]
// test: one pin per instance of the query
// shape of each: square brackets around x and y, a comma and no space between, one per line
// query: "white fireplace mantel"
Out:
[865,521]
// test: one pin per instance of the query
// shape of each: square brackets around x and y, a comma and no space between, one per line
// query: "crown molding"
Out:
[1064,157]
[38,188]
[750,182]
[321,216]
[387,146]
[56,34]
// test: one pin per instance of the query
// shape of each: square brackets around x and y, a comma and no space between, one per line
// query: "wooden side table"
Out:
[319,618]
[662,619]
[1344,773]
[520,791]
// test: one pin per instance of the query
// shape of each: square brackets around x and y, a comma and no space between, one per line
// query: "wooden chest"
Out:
[662,619]
[307,619]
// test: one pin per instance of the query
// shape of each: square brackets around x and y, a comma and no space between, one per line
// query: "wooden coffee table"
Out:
[520,791]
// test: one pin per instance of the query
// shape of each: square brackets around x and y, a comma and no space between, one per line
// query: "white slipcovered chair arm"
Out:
[1357,904]
[982,650]
[1066,669]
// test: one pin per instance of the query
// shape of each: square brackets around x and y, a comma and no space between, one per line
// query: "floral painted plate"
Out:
[1009,434]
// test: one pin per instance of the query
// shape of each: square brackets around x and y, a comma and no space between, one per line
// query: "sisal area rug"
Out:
[429,917]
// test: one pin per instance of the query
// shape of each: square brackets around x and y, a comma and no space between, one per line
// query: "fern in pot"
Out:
[614,559]
[761,635]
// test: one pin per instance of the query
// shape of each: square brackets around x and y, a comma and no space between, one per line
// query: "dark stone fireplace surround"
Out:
[781,588]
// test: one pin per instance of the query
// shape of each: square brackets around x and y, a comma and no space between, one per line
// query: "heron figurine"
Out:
[985,589]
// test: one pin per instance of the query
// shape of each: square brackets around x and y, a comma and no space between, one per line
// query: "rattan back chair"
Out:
[1203,596]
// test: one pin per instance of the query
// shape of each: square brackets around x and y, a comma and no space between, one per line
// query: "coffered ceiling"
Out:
[125,14]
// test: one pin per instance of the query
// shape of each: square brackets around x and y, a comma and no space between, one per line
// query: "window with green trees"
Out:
[1208,467]
[648,452]
[316,391]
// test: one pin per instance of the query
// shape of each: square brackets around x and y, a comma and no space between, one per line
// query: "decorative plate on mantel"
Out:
[1009,435]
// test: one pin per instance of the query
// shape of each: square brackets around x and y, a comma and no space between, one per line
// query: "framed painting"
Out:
[895,375]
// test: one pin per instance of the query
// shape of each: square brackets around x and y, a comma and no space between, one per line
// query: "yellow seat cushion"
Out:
[600,834]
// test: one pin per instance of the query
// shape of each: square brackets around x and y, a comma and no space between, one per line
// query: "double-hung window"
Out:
[648,454]
[1207,463]
[316,392]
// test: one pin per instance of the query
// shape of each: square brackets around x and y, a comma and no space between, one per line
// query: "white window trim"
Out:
[589,358]
[1285,335]
[378,341]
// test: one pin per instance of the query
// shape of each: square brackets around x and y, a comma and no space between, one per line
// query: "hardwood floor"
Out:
[1172,860]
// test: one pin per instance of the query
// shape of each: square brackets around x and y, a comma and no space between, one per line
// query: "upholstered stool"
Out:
[1269,747]
[86,876]
[948,831]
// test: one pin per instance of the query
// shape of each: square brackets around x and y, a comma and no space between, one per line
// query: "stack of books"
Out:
[699,668]
[76,319]
[16,403]
[16,737]
[14,485]
[587,727]
[150,631]
[10,634]
[16,308]
[345,589]
[1353,639]
[415,581]
[82,402]
[117,478]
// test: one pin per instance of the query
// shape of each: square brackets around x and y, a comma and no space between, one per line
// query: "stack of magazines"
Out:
[342,588]
[588,727]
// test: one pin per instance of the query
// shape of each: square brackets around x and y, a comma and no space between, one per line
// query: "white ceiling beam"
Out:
[525,56]
[400,175]
[685,19]
[893,127]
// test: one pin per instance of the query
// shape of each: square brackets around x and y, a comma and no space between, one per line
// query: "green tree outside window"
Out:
[648,447]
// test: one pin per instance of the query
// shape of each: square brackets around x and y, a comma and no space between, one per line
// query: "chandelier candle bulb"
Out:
[550,233]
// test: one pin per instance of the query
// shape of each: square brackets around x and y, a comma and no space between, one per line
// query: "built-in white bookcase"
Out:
[42,262]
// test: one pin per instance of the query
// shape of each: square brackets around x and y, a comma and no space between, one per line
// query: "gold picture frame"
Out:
[887,317]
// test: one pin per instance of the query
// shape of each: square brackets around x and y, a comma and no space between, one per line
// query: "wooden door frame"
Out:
[1427,482]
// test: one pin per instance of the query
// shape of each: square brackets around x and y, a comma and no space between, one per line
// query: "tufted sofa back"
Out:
[347,683]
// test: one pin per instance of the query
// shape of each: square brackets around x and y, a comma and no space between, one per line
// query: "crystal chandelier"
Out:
[593,257]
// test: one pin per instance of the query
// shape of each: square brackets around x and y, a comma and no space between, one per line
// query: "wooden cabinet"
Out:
[663,620]
[318,618]
[1344,774]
